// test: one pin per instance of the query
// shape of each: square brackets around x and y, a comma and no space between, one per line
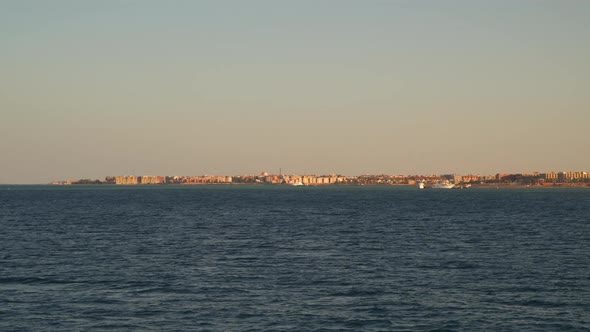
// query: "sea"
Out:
[280,258]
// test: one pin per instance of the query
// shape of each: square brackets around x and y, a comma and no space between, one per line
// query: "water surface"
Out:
[252,258]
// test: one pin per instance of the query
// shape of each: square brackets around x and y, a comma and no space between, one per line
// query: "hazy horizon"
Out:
[91,89]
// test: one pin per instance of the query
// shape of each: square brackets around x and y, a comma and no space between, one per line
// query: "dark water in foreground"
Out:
[293,258]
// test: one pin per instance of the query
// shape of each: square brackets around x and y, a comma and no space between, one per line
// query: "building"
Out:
[127,180]
[149,179]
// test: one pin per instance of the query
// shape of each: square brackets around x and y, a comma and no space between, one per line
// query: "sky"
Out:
[96,88]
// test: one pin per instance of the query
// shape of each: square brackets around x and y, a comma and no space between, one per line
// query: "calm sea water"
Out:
[293,259]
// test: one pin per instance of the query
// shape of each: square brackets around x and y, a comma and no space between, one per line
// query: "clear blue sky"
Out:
[96,88]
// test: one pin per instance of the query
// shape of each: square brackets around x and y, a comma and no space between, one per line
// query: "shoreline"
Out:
[473,186]
[526,186]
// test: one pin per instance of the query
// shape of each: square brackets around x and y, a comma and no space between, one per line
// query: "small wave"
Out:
[357,292]
[525,289]
[160,290]
[532,303]
[540,303]
[442,329]
[366,323]
[117,326]
[458,265]
[31,281]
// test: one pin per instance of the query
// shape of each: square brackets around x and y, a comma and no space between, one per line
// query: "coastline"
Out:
[526,186]
[459,186]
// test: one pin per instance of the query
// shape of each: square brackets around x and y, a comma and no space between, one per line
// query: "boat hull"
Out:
[442,186]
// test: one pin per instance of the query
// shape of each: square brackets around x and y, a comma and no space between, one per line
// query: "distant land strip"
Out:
[575,179]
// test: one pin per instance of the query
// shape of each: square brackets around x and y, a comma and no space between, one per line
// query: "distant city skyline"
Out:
[575,178]
[90,89]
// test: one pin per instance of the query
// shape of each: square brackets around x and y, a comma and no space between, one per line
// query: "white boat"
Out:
[442,185]
[420,184]
[297,184]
